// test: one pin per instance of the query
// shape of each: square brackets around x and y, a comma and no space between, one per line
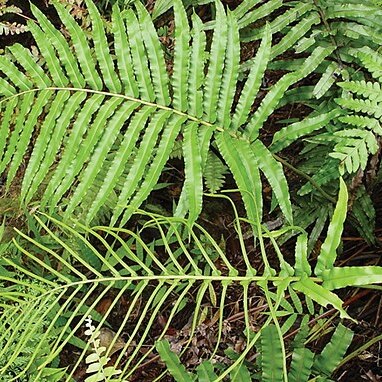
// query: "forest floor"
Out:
[365,305]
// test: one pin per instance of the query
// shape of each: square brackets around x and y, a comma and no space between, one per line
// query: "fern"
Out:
[82,100]
[214,173]
[131,268]
[356,145]
[97,362]
[304,365]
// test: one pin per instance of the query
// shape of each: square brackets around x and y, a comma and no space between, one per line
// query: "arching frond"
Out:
[97,271]
[104,103]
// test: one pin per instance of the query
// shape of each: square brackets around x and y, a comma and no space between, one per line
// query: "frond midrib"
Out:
[133,99]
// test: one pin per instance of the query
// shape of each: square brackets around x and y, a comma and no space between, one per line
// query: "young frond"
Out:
[214,173]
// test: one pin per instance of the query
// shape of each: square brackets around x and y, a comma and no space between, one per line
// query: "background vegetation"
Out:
[189,190]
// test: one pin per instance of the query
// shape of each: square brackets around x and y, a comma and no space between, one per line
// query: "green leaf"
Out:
[176,369]
[139,57]
[230,74]
[253,81]
[296,32]
[328,254]
[181,57]
[123,54]
[102,51]
[82,49]
[274,173]
[25,59]
[334,351]
[215,64]
[241,160]
[301,365]
[341,277]
[205,372]
[197,60]
[320,294]
[301,254]
[193,170]
[271,355]
[57,40]
[155,55]
[291,133]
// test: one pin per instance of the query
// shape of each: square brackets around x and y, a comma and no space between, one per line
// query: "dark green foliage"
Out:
[87,126]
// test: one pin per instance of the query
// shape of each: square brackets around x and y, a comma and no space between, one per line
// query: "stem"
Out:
[307,177]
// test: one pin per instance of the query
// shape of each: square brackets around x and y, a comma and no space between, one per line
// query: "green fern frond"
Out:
[291,133]
[246,16]
[364,214]
[301,365]
[279,23]
[130,269]
[271,355]
[354,148]
[366,89]
[139,275]
[371,60]
[328,254]
[334,351]
[325,173]
[214,173]
[101,100]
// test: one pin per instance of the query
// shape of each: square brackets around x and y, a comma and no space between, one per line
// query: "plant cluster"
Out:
[88,125]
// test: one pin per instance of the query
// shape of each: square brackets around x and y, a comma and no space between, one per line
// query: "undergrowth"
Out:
[91,120]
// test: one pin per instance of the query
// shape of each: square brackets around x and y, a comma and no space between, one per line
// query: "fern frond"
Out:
[214,173]
[366,89]
[82,49]
[290,133]
[155,55]
[364,214]
[174,366]
[334,351]
[181,57]
[329,247]
[301,365]
[243,164]
[140,275]
[276,178]
[371,60]
[197,61]
[364,122]
[253,81]
[139,58]
[216,64]
[271,355]
[230,75]
[256,14]
[327,79]
[278,24]
[354,148]
[295,34]
[338,277]
[193,162]
[8,28]
[102,102]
